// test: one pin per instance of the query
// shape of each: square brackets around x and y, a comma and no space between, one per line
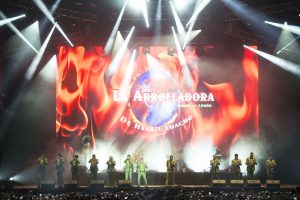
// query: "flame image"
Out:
[85,98]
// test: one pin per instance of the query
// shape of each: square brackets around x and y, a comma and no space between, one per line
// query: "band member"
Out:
[141,171]
[111,171]
[94,166]
[42,162]
[75,167]
[250,162]
[171,166]
[236,167]
[59,162]
[128,168]
[214,167]
[270,166]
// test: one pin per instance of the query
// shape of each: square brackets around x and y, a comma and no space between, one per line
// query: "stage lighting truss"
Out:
[182,5]
[96,18]
[250,37]
[60,12]
[267,10]
[231,18]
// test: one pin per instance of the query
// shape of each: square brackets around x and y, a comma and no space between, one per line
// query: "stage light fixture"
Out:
[171,51]
[140,5]
[146,50]
[191,48]
[11,179]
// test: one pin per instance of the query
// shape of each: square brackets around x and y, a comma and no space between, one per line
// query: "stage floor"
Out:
[262,187]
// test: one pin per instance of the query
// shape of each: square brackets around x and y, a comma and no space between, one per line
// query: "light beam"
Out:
[33,66]
[8,20]
[179,25]
[145,12]
[291,28]
[113,67]
[198,10]
[47,13]
[18,33]
[110,42]
[127,78]
[287,45]
[284,64]
[183,63]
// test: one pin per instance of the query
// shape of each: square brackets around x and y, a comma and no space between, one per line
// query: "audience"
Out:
[156,194]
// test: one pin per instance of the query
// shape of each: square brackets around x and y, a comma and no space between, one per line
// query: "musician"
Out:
[214,167]
[60,169]
[171,167]
[94,166]
[251,162]
[141,171]
[75,167]
[270,166]
[111,171]
[236,167]
[128,168]
[42,162]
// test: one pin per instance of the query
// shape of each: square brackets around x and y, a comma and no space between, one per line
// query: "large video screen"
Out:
[152,102]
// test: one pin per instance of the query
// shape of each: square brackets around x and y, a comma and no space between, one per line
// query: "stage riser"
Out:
[154,178]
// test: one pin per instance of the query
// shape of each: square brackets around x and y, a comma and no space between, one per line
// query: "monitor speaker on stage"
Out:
[47,185]
[273,183]
[124,183]
[236,183]
[70,184]
[97,183]
[253,183]
[218,183]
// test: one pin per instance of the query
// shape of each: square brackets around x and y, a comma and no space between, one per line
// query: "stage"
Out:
[156,180]
[87,189]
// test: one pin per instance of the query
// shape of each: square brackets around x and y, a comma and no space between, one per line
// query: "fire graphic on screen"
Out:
[151,100]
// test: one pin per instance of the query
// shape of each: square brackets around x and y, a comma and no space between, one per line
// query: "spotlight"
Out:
[191,48]
[181,5]
[11,179]
[146,50]
[140,5]
[87,140]
[171,51]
